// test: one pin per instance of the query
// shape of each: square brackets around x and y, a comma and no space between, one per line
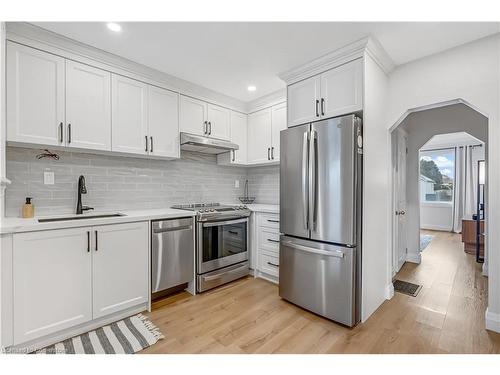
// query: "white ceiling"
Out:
[227,57]
[451,140]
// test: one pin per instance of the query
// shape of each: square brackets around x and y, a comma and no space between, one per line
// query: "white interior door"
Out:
[163,122]
[88,107]
[130,115]
[35,96]
[400,227]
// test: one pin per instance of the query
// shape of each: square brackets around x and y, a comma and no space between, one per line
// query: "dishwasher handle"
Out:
[174,229]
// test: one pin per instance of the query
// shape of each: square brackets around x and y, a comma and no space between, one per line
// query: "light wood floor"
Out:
[248,316]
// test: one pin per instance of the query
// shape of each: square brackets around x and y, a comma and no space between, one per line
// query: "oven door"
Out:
[221,243]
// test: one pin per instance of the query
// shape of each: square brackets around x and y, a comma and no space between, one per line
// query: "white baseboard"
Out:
[492,321]
[414,258]
[445,228]
[389,291]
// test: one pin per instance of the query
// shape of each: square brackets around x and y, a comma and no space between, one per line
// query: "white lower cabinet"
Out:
[66,277]
[52,282]
[265,241]
[120,267]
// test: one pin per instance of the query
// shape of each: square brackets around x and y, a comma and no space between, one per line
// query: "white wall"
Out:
[376,280]
[2,118]
[470,72]
[436,216]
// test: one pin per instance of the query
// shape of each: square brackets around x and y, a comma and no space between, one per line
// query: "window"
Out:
[437,175]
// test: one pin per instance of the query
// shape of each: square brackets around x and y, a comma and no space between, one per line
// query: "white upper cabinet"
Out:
[336,92]
[52,282]
[278,123]
[219,122]
[129,115]
[35,96]
[193,116]
[239,136]
[163,122]
[88,107]
[342,90]
[120,267]
[259,136]
[303,101]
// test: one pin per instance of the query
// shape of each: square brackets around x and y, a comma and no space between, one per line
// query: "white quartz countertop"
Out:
[17,225]
[269,208]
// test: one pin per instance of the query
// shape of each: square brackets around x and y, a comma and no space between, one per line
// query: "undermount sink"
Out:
[81,217]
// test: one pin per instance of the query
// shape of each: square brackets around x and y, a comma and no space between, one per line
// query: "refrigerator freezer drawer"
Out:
[319,277]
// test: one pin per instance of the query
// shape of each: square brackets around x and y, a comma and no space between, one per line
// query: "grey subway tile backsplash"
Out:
[119,183]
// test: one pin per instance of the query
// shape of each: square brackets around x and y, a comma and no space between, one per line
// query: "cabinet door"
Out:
[130,117]
[342,90]
[163,122]
[192,115]
[303,101]
[239,136]
[88,107]
[219,120]
[52,282]
[35,96]
[120,267]
[278,114]
[259,136]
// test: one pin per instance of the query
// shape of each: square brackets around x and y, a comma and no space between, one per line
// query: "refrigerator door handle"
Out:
[305,192]
[313,165]
[337,254]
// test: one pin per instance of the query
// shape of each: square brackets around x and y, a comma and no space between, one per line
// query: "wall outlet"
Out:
[236,183]
[48,178]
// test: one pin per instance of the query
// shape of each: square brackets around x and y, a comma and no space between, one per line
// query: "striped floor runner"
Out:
[127,336]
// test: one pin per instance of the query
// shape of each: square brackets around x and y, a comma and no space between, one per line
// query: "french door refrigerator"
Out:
[320,217]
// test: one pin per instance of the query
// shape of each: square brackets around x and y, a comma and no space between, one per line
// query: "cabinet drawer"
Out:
[269,240]
[269,221]
[269,264]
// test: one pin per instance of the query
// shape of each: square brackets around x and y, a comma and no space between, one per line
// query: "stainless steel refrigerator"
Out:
[320,217]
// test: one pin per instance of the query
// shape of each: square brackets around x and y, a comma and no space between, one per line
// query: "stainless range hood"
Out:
[205,145]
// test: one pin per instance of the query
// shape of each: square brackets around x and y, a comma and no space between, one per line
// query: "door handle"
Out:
[151,139]
[209,128]
[61,139]
[268,150]
[312,179]
[69,133]
[322,106]
[273,264]
[146,138]
[232,232]
[271,240]
[95,240]
[234,155]
[317,111]
[88,241]
[174,229]
[273,221]
[305,192]
[336,253]
[272,152]
[205,127]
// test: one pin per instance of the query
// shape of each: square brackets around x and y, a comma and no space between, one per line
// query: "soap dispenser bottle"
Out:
[28,209]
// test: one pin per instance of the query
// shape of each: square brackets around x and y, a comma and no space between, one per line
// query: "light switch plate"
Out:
[236,183]
[48,178]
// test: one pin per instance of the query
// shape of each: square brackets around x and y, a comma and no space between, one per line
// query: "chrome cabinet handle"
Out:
[317,111]
[305,177]
[88,241]
[273,264]
[271,240]
[151,139]
[322,106]
[147,147]
[95,240]
[69,133]
[61,139]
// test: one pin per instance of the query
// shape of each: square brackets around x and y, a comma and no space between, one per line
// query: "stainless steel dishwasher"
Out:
[172,260]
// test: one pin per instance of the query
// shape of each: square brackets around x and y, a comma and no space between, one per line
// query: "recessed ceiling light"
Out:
[114,27]
[251,88]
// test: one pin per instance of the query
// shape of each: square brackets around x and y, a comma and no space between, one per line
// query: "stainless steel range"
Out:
[221,243]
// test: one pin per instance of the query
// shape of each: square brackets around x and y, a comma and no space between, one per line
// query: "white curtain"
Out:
[465,183]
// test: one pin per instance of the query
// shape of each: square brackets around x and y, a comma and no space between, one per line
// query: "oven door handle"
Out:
[229,222]
[219,275]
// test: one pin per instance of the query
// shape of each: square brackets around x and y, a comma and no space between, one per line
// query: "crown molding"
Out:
[266,101]
[343,55]
[37,37]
